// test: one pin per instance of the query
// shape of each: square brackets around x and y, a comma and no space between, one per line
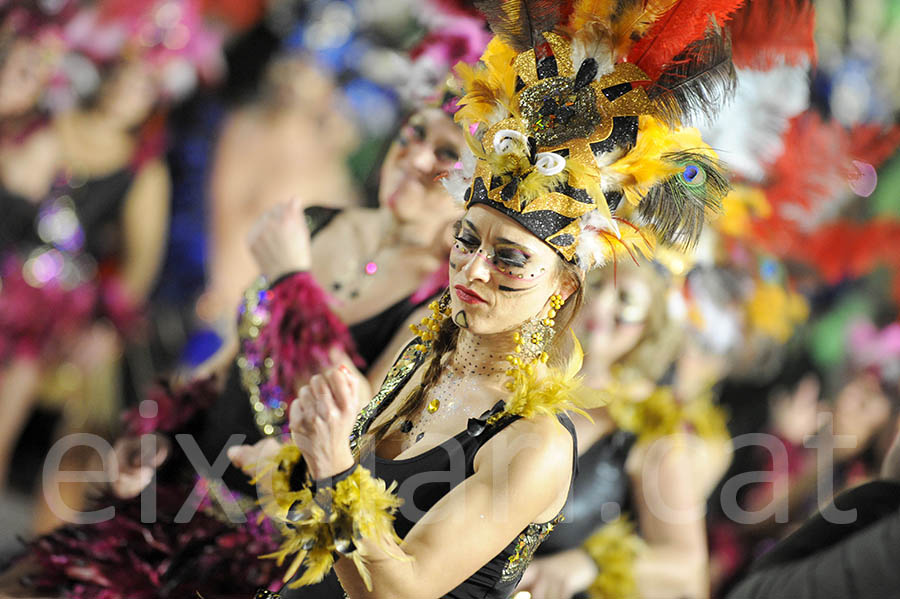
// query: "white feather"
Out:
[458,180]
[598,49]
[592,248]
[748,132]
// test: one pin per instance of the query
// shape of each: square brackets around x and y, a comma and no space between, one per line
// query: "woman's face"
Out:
[616,316]
[23,77]
[500,274]
[861,407]
[428,145]
[130,94]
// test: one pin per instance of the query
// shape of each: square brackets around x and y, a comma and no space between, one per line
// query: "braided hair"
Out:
[444,343]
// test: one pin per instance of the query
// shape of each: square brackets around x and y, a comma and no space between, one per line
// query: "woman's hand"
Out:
[135,463]
[794,415]
[255,461]
[321,419]
[251,459]
[279,241]
[559,576]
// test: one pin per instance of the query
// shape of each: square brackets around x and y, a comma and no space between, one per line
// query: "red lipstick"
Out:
[467,295]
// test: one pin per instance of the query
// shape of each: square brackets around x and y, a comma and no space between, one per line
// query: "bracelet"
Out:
[329,516]
[320,484]
[285,277]
[614,548]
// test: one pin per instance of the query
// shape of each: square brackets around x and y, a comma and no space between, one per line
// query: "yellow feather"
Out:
[588,11]
[615,24]
[558,390]
[536,184]
[360,498]
[644,165]
[498,58]
[318,563]
[631,243]
[615,548]
[490,84]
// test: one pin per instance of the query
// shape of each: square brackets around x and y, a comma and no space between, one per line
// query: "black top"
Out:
[373,334]
[601,491]
[445,463]
[97,204]
[425,479]
[826,558]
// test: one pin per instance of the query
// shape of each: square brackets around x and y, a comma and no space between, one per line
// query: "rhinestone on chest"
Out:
[450,399]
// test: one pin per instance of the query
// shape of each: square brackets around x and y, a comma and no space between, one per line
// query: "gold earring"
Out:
[428,329]
[556,302]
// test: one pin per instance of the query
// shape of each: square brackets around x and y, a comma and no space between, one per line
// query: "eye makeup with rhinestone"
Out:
[507,258]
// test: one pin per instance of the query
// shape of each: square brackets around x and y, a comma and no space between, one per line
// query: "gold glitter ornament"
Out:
[551,136]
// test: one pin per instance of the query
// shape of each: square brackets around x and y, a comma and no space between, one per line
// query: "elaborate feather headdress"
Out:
[575,113]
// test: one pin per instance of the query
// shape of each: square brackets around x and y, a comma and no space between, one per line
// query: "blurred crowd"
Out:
[157,155]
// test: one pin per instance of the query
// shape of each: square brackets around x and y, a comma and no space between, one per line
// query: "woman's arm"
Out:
[670,513]
[145,224]
[521,476]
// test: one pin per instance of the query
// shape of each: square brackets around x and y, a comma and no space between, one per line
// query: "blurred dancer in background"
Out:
[31,50]
[381,265]
[119,186]
[634,334]
[293,140]
[83,240]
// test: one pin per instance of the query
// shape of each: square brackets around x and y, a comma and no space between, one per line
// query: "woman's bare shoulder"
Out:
[541,443]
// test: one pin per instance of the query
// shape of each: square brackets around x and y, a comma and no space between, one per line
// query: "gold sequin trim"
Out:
[255,370]
[408,361]
[527,543]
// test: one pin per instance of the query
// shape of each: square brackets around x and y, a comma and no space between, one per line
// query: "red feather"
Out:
[817,161]
[455,8]
[808,192]
[686,22]
[765,33]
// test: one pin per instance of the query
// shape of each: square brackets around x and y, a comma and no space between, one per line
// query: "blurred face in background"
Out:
[616,314]
[294,85]
[427,146]
[861,408]
[129,94]
[24,73]
[292,80]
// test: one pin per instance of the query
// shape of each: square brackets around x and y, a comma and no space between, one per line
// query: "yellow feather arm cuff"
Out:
[358,507]
[614,548]
[661,414]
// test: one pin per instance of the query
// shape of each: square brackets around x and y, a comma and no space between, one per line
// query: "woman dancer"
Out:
[473,410]
[406,239]
[292,138]
[82,239]
[634,337]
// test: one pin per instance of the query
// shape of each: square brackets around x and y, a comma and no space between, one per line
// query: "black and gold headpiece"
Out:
[580,147]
